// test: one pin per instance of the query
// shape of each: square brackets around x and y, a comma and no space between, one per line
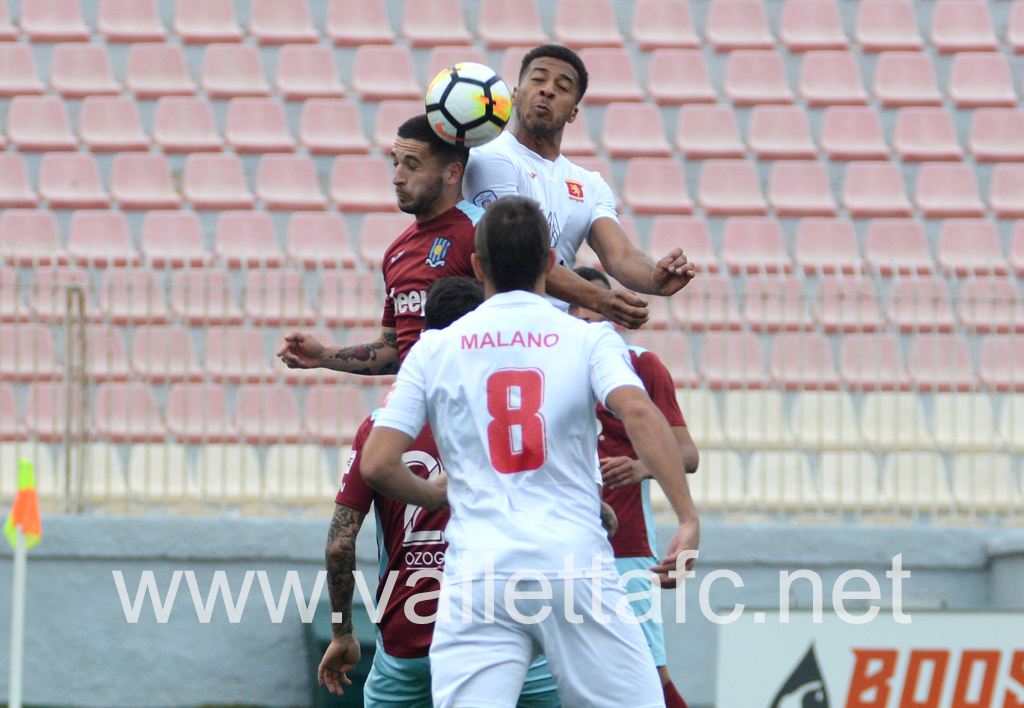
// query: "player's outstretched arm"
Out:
[634,268]
[384,470]
[378,357]
[658,449]
[343,652]
[620,306]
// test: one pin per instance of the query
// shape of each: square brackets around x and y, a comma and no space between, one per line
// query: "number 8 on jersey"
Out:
[516,436]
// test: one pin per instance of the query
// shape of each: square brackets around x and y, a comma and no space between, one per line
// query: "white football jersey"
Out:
[510,391]
[572,198]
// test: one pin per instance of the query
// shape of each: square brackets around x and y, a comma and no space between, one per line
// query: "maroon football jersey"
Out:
[439,248]
[632,538]
[409,539]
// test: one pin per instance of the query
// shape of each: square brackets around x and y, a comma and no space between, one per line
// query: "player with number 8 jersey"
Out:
[520,437]
[411,547]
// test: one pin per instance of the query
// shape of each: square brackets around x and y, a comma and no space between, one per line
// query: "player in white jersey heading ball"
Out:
[510,391]
[579,205]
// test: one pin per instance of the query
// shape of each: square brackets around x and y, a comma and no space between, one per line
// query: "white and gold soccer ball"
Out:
[468,104]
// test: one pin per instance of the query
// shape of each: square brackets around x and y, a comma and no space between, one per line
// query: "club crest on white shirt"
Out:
[484,198]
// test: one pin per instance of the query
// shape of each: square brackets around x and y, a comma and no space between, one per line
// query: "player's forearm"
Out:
[341,564]
[393,478]
[657,448]
[634,270]
[691,458]
[687,447]
[568,287]
[378,357]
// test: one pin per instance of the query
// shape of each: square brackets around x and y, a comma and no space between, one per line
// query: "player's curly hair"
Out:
[562,53]
[513,242]
[418,128]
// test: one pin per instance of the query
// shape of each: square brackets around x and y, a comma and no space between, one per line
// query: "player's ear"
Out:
[453,173]
[478,270]
[552,261]
[575,112]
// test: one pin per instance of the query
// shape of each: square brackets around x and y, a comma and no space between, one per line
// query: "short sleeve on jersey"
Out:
[406,410]
[387,320]
[490,175]
[355,492]
[610,365]
[660,387]
[605,207]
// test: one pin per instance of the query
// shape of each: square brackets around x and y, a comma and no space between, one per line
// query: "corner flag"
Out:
[23,529]
[25,512]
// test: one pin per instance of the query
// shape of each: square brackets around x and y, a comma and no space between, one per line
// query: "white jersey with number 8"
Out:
[510,391]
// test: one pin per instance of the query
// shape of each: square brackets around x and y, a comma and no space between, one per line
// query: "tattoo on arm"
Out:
[391,341]
[341,563]
[376,358]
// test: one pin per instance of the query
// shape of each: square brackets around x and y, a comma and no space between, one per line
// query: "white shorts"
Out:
[596,664]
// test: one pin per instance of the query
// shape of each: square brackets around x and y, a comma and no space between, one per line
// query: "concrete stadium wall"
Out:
[81,650]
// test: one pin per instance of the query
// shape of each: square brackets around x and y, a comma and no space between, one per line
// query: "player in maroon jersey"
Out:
[626,484]
[428,184]
[410,540]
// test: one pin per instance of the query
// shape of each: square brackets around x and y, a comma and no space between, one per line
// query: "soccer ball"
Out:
[468,104]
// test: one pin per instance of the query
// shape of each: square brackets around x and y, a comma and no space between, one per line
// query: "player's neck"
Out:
[547,146]
[445,202]
[490,291]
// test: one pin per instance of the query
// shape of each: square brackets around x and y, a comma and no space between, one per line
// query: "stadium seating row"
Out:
[728,360]
[654,186]
[843,303]
[826,78]
[185,124]
[675,76]
[828,421]
[964,247]
[333,126]
[203,296]
[753,420]
[166,354]
[956,25]
[770,303]
[909,483]
[195,413]
[920,483]
[847,133]
[175,239]
[800,361]
[210,181]
[349,22]
[163,474]
[846,305]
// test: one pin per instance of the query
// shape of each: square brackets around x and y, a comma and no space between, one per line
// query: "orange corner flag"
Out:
[25,512]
